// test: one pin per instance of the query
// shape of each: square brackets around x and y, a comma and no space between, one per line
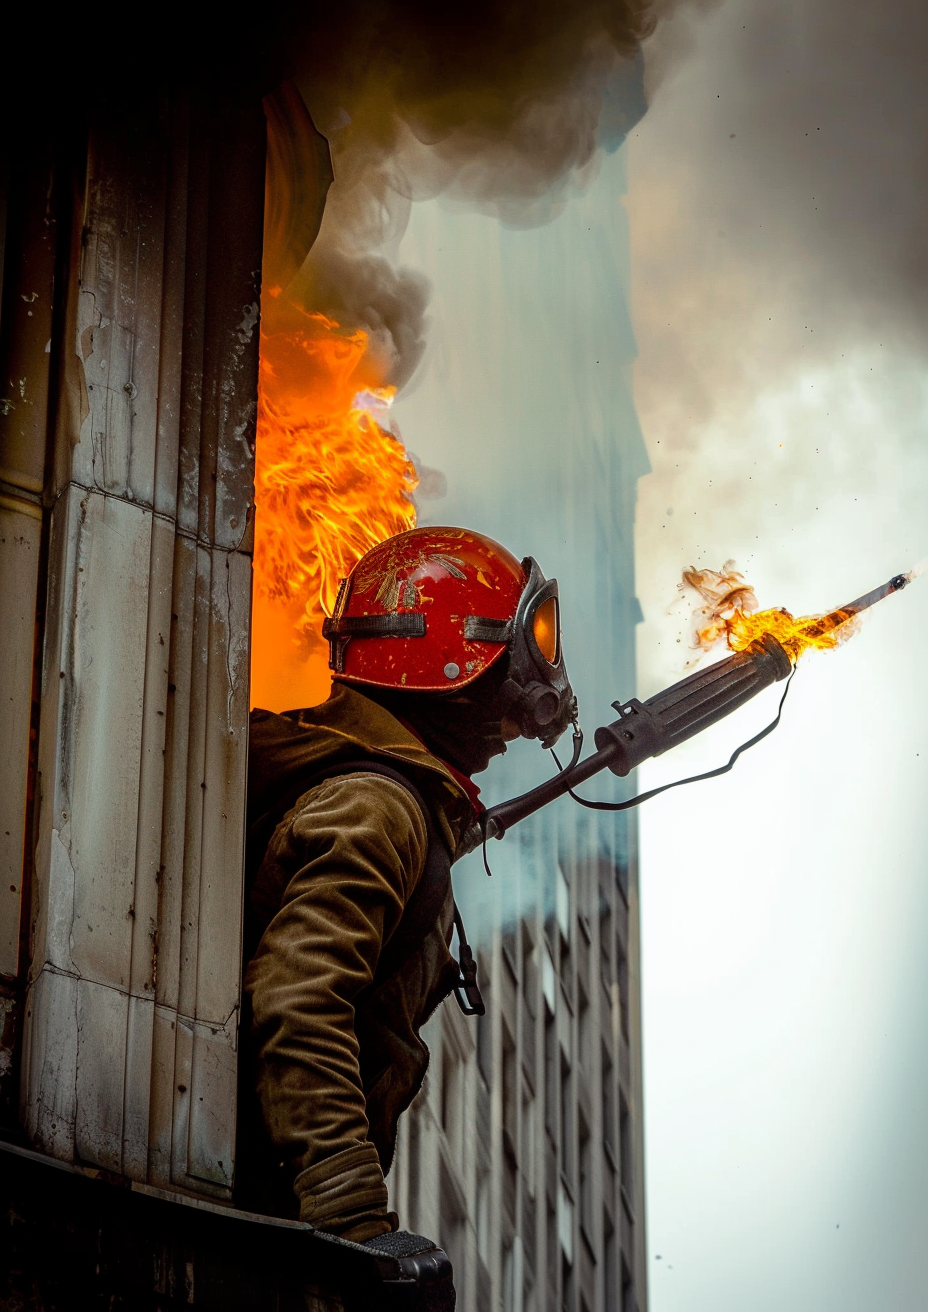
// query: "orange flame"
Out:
[729,614]
[819,632]
[331,482]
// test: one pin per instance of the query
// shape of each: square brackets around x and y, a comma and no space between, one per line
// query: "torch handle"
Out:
[668,719]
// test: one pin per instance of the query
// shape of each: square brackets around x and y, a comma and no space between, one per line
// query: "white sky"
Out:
[784,397]
[783,394]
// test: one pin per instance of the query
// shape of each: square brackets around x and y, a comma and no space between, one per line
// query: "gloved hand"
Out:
[421,1260]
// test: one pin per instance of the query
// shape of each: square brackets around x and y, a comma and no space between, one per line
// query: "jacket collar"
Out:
[345,726]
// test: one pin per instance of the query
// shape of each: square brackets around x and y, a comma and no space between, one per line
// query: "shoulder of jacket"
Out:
[367,791]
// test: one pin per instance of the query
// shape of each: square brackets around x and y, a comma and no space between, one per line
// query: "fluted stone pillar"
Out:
[130,1026]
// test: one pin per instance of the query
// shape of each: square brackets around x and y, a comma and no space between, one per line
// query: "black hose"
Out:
[677,783]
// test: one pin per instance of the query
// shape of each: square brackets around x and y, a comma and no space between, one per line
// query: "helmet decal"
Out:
[390,587]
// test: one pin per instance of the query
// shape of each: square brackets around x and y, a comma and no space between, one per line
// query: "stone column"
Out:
[130,1031]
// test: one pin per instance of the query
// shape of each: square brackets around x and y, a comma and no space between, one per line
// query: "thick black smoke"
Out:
[503,106]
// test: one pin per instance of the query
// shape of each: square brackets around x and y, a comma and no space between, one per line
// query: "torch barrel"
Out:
[895,584]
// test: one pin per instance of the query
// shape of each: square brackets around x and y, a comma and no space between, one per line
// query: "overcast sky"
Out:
[776,197]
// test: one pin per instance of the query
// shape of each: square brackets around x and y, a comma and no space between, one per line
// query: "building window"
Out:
[511,951]
[529,1303]
[622,977]
[529,970]
[482,1219]
[551,1076]
[609,1102]
[567,1284]
[585,1181]
[567,1119]
[565,1223]
[452,1091]
[610,1266]
[453,1227]
[415,1167]
[583,900]
[562,903]
[584,1035]
[551,1241]
[527,1137]
[629,1302]
[485,1046]
[605,946]
[626,1167]
[510,1092]
[548,981]
[512,1301]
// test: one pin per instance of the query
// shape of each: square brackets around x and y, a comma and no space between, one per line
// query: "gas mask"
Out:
[537,692]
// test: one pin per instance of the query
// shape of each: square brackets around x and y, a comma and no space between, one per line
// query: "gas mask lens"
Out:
[545,629]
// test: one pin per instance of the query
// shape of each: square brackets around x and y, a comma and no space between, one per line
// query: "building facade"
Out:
[526,1141]
[525,1149]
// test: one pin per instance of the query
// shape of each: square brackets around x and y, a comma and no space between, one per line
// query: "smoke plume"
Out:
[780,252]
[500,106]
[780,191]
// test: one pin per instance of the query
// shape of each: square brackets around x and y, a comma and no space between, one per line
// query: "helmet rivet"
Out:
[451,670]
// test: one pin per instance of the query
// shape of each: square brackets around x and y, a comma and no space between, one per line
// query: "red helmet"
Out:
[430,610]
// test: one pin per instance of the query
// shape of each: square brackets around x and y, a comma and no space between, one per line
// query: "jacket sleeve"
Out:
[340,868]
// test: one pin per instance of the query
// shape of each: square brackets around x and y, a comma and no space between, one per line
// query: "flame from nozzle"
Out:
[729,614]
[795,635]
[725,596]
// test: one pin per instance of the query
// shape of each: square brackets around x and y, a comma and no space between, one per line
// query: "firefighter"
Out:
[443,647]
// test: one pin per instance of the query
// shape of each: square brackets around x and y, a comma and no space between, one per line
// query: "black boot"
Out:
[422,1263]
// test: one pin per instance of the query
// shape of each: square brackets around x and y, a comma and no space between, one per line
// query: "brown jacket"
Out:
[336,1055]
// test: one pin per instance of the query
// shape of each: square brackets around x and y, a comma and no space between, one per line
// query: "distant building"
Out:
[525,1148]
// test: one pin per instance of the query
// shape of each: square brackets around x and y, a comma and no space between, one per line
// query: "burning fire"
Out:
[332,480]
[729,613]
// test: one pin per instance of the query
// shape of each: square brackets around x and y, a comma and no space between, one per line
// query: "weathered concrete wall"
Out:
[129,1056]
